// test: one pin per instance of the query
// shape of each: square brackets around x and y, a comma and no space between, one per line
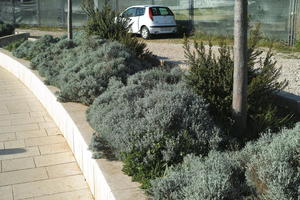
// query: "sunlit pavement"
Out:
[35,160]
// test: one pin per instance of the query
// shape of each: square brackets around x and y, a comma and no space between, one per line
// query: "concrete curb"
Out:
[105,178]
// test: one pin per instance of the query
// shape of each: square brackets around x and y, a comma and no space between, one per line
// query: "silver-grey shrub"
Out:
[50,62]
[30,49]
[273,165]
[266,169]
[218,176]
[81,68]
[152,122]
[111,112]
[88,75]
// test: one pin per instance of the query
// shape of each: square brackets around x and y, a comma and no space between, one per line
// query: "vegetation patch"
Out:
[86,77]
[211,76]
[267,169]
[153,122]
[173,129]
[6,29]
[14,45]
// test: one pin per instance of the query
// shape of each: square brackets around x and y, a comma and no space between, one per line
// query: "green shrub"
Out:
[272,165]
[14,45]
[107,24]
[297,45]
[29,49]
[6,29]
[152,122]
[211,77]
[218,176]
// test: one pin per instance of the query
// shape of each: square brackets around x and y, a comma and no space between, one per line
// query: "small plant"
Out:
[218,176]
[211,76]
[107,24]
[14,45]
[85,79]
[29,49]
[6,29]
[297,45]
[272,165]
[267,169]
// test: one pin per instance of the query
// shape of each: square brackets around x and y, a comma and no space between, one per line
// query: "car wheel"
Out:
[145,33]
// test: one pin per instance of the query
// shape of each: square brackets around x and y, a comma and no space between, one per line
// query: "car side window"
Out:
[140,11]
[131,12]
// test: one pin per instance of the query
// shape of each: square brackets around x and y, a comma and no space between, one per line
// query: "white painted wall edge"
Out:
[105,179]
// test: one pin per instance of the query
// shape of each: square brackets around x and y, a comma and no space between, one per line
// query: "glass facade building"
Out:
[279,19]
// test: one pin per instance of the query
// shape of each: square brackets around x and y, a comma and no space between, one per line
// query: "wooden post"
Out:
[239,101]
[70,32]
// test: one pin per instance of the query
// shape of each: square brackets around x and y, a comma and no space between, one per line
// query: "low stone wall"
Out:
[10,38]
[104,177]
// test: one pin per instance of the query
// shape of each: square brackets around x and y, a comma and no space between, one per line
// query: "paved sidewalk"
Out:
[35,160]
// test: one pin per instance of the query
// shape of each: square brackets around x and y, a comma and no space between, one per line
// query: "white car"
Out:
[150,19]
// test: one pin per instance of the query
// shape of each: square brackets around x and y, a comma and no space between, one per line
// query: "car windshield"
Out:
[161,11]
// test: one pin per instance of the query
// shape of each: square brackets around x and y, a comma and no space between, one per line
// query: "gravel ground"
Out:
[173,52]
[39,33]
[290,63]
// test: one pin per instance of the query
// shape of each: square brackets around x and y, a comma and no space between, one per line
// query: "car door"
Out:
[140,12]
[130,13]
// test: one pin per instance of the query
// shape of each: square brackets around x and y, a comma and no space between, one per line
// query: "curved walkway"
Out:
[35,160]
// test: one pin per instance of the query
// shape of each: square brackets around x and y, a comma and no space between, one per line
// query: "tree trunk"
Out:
[70,31]
[240,76]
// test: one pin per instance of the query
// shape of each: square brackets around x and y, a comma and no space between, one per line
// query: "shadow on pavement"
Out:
[12,151]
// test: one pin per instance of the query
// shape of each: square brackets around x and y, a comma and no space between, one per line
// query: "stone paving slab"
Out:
[36,163]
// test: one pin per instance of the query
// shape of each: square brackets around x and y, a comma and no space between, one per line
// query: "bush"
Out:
[272,165]
[107,24]
[50,62]
[6,29]
[152,122]
[216,177]
[14,45]
[87,77]
[29,49]
[297,45]
[211,76]
[267,169]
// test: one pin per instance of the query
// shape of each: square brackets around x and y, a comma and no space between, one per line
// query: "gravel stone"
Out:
[290,62]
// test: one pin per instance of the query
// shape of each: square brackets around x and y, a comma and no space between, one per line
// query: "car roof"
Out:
[147,6]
